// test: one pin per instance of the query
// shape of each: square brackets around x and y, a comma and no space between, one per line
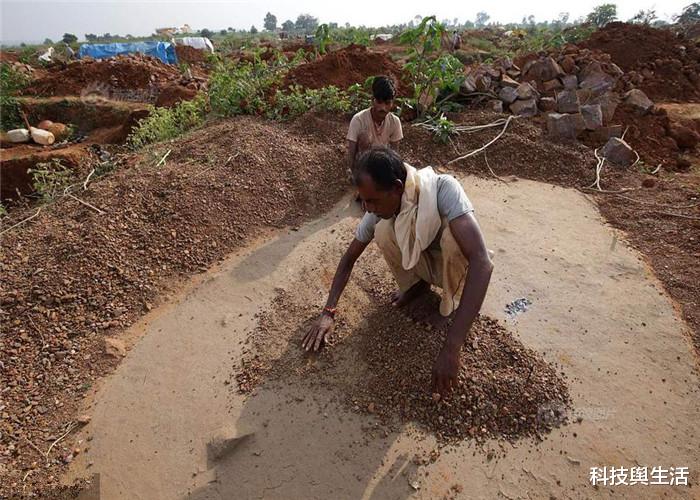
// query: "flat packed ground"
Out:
[597,313]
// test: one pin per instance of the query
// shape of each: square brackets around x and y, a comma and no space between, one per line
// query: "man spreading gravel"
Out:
[425,227]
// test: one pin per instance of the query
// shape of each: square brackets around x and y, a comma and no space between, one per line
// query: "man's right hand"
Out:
[318,333]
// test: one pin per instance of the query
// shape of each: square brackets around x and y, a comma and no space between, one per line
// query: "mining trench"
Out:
[95,121]
[169,422]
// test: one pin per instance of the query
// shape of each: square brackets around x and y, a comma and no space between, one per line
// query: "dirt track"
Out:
[597,311]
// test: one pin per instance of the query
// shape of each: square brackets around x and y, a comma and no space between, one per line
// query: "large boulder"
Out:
[592,116]
[564,125]
[618,152]
[524,107]
[567,102]
[638,101]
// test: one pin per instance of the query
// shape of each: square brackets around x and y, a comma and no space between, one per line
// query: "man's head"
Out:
[383,92]
[380,177]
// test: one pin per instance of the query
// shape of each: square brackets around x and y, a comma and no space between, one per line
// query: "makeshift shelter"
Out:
[165,51]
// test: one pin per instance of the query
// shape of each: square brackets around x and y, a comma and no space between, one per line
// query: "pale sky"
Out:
[35,20]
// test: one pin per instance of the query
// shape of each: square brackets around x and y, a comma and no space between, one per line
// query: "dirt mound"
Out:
[8,57]
[189,55]
[505,390]
[71,276]
[345,67]
[665,66]
[134,77]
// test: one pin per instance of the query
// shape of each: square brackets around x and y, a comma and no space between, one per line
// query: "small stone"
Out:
[507,95]
[618,152]
[495,105]
[570,82]
[115,347]
[592,116]
[565,126]
[524,108]
[638,101]
[84,419]
[525,91]
[547,104]
[567,102]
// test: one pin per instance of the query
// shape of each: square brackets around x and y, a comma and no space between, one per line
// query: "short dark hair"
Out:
[383,165]
[383,88]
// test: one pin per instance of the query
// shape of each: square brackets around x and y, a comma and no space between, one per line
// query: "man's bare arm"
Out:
[467,233]
[322,327]
[350,156]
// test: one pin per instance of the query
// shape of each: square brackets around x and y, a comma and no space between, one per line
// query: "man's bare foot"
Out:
[400,299]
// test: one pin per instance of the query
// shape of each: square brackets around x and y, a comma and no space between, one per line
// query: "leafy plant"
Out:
[166,123]
[432,72]
[49,179]
[11,81]
[322,37]
[444,129]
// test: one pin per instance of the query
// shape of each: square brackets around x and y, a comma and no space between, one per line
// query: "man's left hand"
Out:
[446,371]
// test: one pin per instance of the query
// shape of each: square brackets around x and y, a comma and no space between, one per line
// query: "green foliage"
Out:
[49,179]
[166,123]
[444,129]
[241,89]
[433,73]
[3,210]
[11,81]
[253,30]
[297,101]
[322,38]
[602,15]
[306,23]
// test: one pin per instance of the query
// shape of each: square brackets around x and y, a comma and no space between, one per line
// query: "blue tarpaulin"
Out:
[165,51]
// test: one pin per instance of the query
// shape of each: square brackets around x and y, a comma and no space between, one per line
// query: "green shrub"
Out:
[10,82]
[166,123]
[49,179]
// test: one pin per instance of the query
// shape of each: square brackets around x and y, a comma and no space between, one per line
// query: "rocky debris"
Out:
[592,116]
[608,103]
[115,347]
[505,390]
[565,125]
[525,91]
[570,82]
[638,101]
[663,64]
[618,152]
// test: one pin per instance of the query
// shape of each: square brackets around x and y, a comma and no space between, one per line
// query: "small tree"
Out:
[481,19]
[603,14]
[690,14]
[206,33]
[253,30]
[48,41]
[306,23]
[90,37]
[69,38]
[270,22]
[644,17]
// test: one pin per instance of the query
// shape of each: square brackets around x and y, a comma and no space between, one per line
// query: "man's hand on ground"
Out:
[318,333]
[446,371]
